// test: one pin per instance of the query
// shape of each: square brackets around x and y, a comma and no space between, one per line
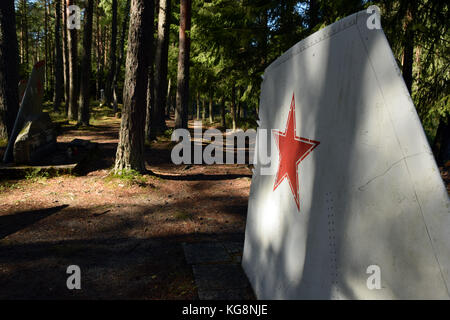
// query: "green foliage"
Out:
[36,175]
[3,142]
[431,76]
[6,185]
[232,42]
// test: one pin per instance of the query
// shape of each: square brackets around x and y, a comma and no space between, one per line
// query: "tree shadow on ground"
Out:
[10,224]
[118,257]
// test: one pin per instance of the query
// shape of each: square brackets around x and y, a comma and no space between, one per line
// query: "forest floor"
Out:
[126,233]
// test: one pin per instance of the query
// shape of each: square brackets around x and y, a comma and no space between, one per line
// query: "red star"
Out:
[292,150]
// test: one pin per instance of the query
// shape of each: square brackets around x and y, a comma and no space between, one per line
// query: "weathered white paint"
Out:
[370,193]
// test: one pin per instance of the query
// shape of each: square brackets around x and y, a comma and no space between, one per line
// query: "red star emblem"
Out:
[292,150]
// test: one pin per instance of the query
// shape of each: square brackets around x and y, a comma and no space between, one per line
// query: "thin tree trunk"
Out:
[66,58]
[168,99]
[99,53]
[222,111]
[238,114]
[203,109]
[46,67]
[313,14]
[198,106]
[112,55]
[73,71]
[130,150]
[150,102]
[233,106]
[25,34]
[211,116]
[51,56]
[441,144]
[59,72]
[9,69]
[83,115]
[181,112]
[158,123]
[121,53]
[408,48]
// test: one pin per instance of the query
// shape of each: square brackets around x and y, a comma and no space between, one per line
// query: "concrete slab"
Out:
[205,252]
[233,247]
[227,294]
[219,277]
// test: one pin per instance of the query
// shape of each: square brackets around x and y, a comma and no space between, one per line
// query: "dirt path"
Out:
[125,234]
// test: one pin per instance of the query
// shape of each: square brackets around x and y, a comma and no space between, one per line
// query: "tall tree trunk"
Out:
[313,14]
[83,115]
[198,106]
[222,112]
[25,34]
[211,116]
[66,58]
[203,109]
[112,55]
[59,72]
[158,123]
[181,112]
[441,144]
[51,56]
[73,71]
[168,99]
[47,61]
[150,102]
[242,113]
[99,79]
[9,68]
[233,106]
[121,53]
[150,78]
[408,47]
[130,150]
[238,113]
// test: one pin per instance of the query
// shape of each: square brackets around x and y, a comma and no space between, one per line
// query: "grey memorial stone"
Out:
[37,138]
[33,132]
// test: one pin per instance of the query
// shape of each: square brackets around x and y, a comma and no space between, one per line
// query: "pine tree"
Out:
[130,150]
[9,99]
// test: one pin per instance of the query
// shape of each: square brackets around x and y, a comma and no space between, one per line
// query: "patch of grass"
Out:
[128,177]
[168,133]
[182,216]
[5,186]
[3,143]
[35,175]
[99,113]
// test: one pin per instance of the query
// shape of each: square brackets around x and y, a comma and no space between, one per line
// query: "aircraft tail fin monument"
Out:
[31,93]
[354,206]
